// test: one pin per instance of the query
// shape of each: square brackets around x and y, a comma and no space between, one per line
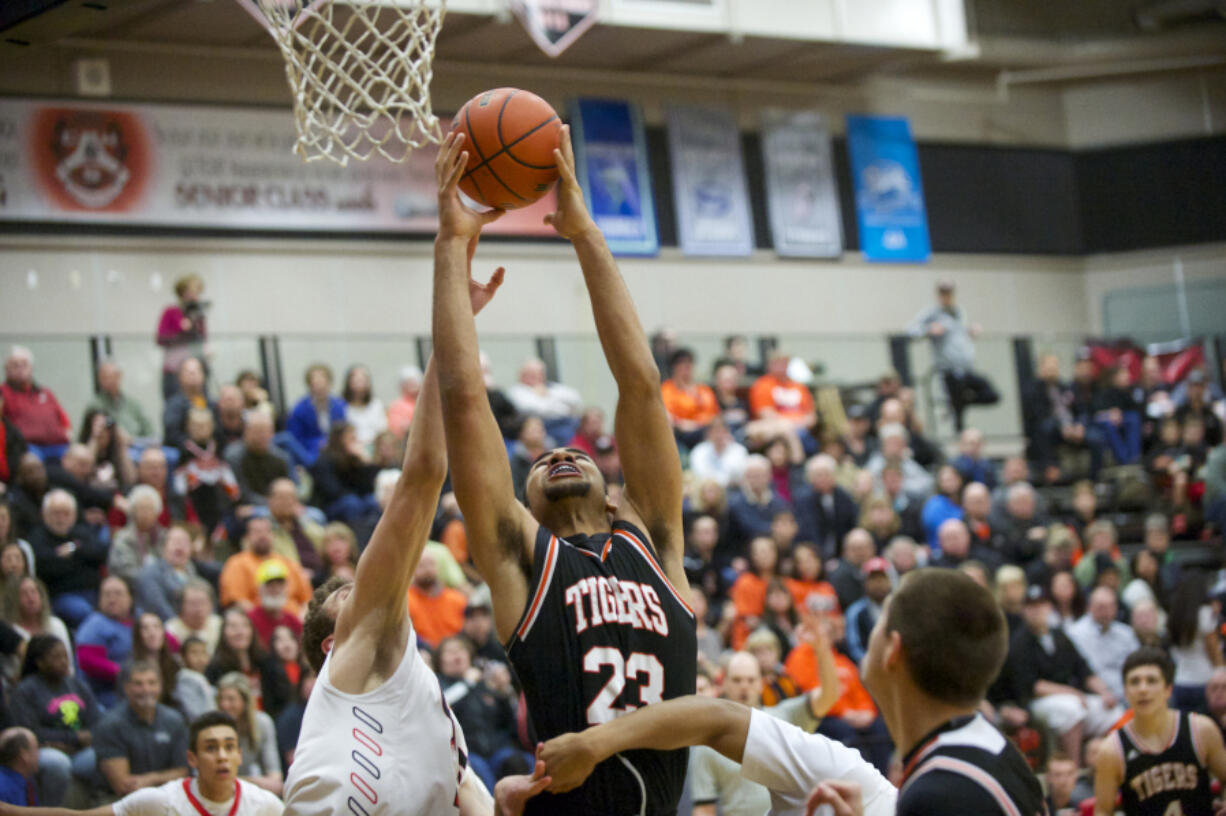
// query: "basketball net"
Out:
[360,73]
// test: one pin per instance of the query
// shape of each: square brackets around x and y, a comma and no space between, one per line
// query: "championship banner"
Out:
[709,189]
[889,196]
[207,167]
[554,25]
[801,194]
[611,162]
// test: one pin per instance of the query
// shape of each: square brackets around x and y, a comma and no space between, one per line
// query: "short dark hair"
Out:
[953,634]
[208,719]
[138,667]
[318,625]
[12,743]
[681,355]
[1150,656]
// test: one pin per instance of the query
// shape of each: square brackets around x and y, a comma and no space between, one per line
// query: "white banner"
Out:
[206,167]
[801,193]
[709,191]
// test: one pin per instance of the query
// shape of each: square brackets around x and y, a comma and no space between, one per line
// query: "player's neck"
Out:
[215,790]
[911,717]
[1156,725]
[576,520]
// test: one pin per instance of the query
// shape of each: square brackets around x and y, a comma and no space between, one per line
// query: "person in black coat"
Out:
[68,558]
[824,511]
[238,649]
[344,476]
[847,577]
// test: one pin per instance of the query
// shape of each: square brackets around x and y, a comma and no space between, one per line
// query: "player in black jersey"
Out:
[939,643]
[1158,763]
[588,598]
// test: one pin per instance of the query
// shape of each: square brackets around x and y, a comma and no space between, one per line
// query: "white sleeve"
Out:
[144,802]
[266,804]
[790,763]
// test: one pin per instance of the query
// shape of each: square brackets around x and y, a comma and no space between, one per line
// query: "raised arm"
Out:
[500,530]
[645,441]
[680,723]
[1108,774]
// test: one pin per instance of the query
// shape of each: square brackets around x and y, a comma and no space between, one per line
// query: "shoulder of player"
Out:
[941,790]
[1203,728]
[262,800]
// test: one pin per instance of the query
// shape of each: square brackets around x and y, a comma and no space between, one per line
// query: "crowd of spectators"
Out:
[146,576]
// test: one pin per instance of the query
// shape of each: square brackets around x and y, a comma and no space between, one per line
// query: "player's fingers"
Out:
[568,149]
[457,169]
[565,170]
[445,154]
[540,785]
[491,216]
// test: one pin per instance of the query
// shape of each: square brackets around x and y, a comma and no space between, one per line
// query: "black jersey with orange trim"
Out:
[1171,782]
[967,766]
[605,632]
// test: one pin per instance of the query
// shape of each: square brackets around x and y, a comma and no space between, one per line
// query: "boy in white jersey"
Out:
[377,737]
[214,754]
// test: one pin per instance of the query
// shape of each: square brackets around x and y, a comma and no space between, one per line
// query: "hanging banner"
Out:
[555,24]
[889,197]
[210,168]
[709,190]
[801,193]
[611,162]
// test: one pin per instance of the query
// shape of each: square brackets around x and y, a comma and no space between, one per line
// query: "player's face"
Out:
[560,475]
[216,755]
[1147,690]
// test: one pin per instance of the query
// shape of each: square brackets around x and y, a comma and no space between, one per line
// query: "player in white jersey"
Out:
[377,737]
[783,758]
[215,755]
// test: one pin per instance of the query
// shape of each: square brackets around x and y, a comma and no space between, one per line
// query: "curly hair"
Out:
[318,624]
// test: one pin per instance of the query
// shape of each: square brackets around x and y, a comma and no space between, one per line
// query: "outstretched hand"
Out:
[571,219]
[845,798]
[512,792]
[455,218]
[569,760]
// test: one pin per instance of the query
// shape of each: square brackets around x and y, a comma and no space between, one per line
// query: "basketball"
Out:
[511,135]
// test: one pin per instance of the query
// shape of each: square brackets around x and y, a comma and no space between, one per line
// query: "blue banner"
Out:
[889,196]
[611,162]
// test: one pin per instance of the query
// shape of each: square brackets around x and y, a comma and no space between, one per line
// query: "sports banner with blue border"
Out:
[709,190]
[611,162]
[801,193]
[889,196]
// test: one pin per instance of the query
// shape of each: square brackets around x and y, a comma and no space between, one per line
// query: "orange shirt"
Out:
[801,666]
[801,590]
[455,537]
[700,407]
[237,582]
[437,616]
[787,398]
[748,595]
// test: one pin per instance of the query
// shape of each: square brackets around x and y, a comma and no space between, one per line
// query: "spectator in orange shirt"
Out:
[238,582]
[776,395]
[808,583]
[853,720]
[691,405]
[437,611]
[748,593]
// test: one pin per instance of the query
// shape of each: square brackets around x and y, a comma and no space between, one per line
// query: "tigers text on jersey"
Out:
[604,632]
[1170,782]
[391,751]
[967,766]
[181,797]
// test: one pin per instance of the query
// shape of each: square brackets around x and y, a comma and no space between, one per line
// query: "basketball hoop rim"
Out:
[252,7]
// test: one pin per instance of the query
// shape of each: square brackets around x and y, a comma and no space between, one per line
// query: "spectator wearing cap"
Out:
[400,412]
[104,641]
[557,404]
[691,405]
[313,416]
[123,408]
[847,577]
[719,457]
[272,576]
[775,395]
[239,584]
[824,511]
[1055,682]
[18,766]
[1197,404]
[1102,640]
[32,408]
[953,348]
[862,615]
[437,610]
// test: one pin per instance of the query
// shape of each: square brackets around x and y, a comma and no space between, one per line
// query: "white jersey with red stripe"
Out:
[395,750]
[182,797]
[603,633]
[967,766]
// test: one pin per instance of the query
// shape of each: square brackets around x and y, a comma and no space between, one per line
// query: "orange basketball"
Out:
[510,138]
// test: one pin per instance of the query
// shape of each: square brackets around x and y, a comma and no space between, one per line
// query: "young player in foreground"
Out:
[214,754]
[587,598]
[1159,763]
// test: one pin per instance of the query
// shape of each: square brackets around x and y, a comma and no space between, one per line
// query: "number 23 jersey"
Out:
[604,633]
